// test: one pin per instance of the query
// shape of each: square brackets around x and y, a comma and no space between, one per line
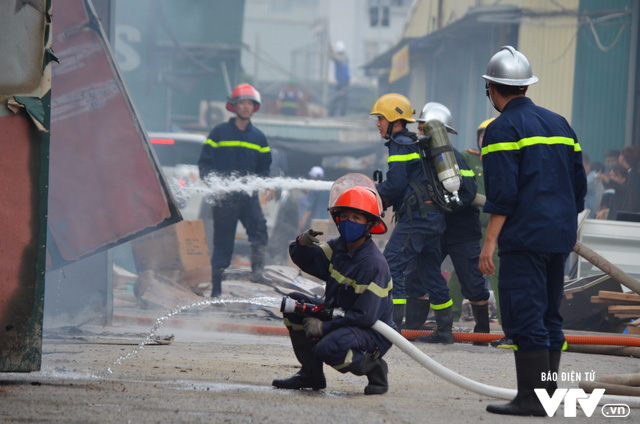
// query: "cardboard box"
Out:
[179,247]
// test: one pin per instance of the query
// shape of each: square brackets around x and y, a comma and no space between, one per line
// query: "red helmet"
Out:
[244,91]
[363,199]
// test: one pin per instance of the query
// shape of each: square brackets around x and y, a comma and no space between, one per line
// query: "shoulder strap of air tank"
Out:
[413,136]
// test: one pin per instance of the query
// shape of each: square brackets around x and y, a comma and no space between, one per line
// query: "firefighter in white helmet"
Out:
[461,238]
[535,186]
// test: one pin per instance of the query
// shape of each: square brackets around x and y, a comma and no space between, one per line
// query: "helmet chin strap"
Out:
[387,136]
[490,99]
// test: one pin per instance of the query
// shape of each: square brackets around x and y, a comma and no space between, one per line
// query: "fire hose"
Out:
[454,378]
[292,306]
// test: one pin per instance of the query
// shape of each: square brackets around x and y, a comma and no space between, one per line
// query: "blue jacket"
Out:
[358,281]
[534,176]
[228,150]
[404,164]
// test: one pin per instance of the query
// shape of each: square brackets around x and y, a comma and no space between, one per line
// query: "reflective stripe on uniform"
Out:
[348,359]
[244,144]
[467,173]
[442,305]
[403,158]
[531,141]
[294,327]
[327,250]
[360,288]
[399,301]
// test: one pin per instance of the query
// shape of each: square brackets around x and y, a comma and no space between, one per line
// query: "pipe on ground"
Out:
[607,267]
[571,339]
[482,389]
[633,352]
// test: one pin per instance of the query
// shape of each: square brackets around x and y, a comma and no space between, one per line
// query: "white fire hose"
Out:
[454,378]
[483,389]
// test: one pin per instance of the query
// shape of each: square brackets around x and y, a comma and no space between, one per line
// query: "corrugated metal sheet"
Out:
[601,78]
[550,46]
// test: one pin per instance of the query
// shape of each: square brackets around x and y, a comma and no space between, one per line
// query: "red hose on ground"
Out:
[408,334]
[487,337]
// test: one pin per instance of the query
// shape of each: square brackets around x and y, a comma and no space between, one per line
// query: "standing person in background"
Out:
[624,180]
[461,238]
[338,104]
[630,160]
[237,148]
[611,159]
[595,188]
[289,98]
[419,221]
[535,184]
[473,158]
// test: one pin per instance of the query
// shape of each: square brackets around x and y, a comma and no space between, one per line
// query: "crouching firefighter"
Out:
[411,189]
[336,330]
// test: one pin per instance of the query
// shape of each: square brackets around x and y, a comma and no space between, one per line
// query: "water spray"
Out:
[215,187]
[263,301]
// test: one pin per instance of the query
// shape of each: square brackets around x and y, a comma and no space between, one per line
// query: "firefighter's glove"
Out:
[308,238]
[312,328]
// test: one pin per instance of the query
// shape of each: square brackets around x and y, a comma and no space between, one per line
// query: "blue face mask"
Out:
[351,231]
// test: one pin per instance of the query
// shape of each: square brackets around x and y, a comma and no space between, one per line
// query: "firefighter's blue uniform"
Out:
[415,241]
[534,176]
[461,239]
[359,283]
[230,151]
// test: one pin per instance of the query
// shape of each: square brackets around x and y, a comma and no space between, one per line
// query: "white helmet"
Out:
[509,67]
[440,112]
[340,46]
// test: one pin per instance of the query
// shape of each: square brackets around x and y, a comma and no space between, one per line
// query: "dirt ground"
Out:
[213,376]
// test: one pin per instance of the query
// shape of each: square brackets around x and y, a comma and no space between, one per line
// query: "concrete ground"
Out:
[210,374]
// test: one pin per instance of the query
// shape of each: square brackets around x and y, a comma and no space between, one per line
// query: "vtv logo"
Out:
[619,410]
[570,396]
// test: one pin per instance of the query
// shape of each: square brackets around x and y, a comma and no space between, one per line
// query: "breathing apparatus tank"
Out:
[435,143]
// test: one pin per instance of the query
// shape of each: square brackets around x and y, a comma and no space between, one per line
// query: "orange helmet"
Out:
[363,199]
[244,91]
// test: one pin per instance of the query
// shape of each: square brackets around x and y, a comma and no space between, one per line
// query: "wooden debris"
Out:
[622,306]
[155,290]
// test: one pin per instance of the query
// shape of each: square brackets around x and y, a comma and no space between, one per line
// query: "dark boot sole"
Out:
[511,409]
[295,383]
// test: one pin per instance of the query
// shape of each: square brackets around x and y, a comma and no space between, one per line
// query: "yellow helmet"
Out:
[394,106]
[483,126]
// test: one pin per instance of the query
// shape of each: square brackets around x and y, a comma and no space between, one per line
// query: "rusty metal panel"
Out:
[24,153]
[106,187]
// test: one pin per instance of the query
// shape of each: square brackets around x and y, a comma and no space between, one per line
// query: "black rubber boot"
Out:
[311,374]
[530,365]
[481,317]
[216,281]
[554,366]
[398,316]
[417,313]
[257,266]
[376,369]
[444,323]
